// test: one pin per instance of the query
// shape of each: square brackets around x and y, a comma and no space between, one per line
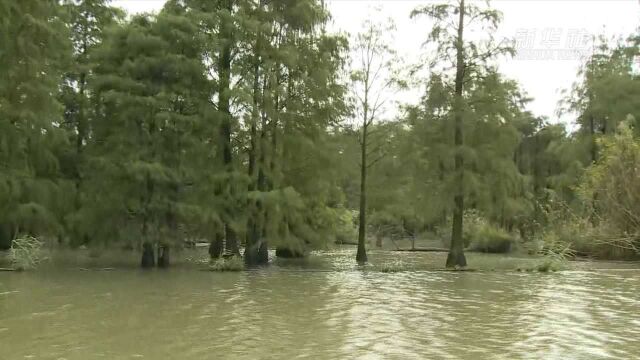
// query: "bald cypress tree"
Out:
[152,93]
[470,60]
[33,49]
[87,21]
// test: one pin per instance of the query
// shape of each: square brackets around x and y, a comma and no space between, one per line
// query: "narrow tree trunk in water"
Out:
[456,256]
[232,245]
[148,256]
[260,246]
[253,223]
[224,102]
[163,256]
[594,143]
[361,255]
[217,246]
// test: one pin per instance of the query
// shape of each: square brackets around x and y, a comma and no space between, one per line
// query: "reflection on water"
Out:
[289,313]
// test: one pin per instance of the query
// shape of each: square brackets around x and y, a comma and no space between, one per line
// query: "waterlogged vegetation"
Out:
[214,138]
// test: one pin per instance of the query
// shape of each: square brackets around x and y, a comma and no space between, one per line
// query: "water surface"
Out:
[300,313]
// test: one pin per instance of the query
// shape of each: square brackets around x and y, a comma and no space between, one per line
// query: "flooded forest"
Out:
[241,179]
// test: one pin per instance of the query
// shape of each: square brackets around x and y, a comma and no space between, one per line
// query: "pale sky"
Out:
[552,34]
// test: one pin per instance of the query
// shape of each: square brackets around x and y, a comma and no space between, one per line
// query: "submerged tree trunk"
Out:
[253,231]
[361,255]
[163,256]
[217,246]
[255,252]
[456,256]
[224,103]
[148,256]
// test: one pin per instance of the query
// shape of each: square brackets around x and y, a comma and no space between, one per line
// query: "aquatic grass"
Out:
[234,263]
[556,259]
[25,253]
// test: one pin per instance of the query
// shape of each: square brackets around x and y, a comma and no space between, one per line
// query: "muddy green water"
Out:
[296,311]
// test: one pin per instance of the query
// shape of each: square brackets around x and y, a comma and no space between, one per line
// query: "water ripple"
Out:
[347,314]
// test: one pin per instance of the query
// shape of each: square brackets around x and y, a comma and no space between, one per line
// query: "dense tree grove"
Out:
[244,124]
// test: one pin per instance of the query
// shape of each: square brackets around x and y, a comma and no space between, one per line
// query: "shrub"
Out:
[477,234]
[555,258]
[612,203]
[480,235]
[25,253]
[386,224]
[345,229]
[234,263]
[491,239]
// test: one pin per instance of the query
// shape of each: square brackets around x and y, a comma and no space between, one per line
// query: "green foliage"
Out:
[147,145]
[555,258]
[491,239]
[25,253]
[345,229]
[612,202]
[595,226]
[33,48]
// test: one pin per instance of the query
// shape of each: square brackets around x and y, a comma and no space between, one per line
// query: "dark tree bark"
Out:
[256,251]
[148,256]
[456,256]
[217,246]
[224,105]
[361,254]
[594,143]
[163,256]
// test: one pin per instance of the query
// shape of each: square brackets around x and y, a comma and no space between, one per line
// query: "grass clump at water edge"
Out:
[234,263]
[25,253]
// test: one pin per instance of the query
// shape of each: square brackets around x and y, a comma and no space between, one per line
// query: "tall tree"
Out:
[87,21]
[601,98]
[148,135]
[469,60]
[33,49]
[373,79]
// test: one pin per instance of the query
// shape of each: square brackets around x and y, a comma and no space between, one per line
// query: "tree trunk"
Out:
[456,256]
[361,255]
[217,246]
[224,104]
[252,244]
[148,256]
[594,143]
[256,251]
[163,256]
